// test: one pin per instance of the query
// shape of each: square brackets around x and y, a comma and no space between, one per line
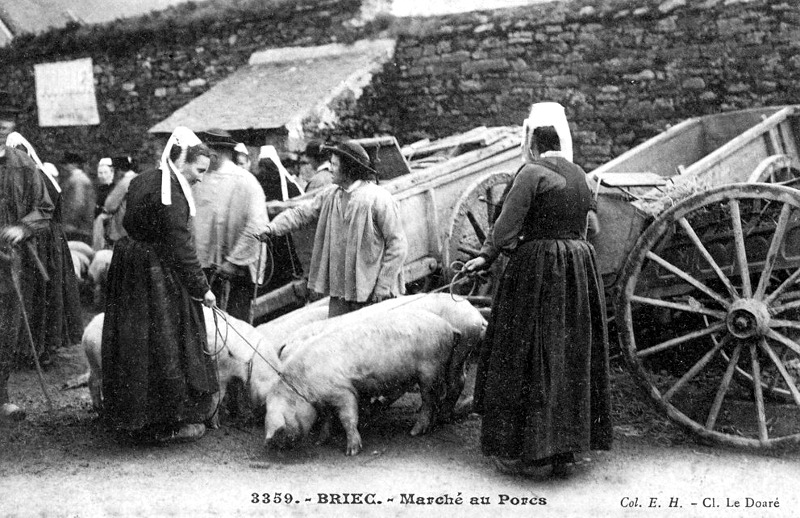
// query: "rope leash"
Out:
[460,276]
[257,352]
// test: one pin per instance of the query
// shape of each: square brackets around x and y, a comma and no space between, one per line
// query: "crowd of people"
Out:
[193,232]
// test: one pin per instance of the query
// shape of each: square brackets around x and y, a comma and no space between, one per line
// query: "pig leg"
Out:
[429,387]
[213,414]
[96,391]
[325,427]
[456,377]
[347,406]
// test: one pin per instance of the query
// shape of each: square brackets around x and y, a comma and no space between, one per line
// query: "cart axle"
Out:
[747,318]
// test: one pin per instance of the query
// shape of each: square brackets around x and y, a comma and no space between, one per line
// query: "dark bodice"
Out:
[166,228]
[548,199]
[558,213]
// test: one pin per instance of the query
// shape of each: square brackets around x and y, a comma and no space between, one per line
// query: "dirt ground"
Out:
[62,463]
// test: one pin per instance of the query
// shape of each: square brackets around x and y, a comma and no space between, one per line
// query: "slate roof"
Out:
[281,87]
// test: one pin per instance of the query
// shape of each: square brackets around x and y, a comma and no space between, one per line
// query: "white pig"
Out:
[458,312]
[98,273]
[387,352]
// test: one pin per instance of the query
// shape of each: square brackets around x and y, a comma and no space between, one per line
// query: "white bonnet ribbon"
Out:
[271,153]
[185,138]
[548,114]
[14,139]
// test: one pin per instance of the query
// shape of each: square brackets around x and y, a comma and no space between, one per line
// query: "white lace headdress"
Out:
[548,114]
[185,138]
[271,153]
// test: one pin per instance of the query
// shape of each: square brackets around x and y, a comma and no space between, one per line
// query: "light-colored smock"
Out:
[359,245]
[231,213]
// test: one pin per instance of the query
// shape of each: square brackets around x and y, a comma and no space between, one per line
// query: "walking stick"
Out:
[26,322]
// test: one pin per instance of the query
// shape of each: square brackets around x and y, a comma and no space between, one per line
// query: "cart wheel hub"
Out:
[748,317]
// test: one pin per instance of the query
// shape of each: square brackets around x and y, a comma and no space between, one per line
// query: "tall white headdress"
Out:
[185,138]
[14,139]
[271,153]
[548,114]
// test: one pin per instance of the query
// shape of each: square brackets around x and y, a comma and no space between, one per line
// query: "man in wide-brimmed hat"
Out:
[26,212]
[360,245]
[231,213]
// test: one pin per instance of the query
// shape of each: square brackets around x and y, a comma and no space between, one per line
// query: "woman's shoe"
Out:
[186,433]
[562,469]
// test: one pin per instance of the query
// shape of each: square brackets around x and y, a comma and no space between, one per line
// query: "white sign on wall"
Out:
[65,93]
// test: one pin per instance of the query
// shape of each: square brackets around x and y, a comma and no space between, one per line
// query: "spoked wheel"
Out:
[473,216]
[719,272]
[777,169]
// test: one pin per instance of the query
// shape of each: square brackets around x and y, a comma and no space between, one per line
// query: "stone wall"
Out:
[623,70]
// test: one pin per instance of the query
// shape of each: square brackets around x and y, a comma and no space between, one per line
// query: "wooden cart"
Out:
[701,249]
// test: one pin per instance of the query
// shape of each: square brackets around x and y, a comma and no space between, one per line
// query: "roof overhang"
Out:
[281,88]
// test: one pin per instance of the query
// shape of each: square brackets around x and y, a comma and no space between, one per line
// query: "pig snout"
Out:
[282,438]
[279,439]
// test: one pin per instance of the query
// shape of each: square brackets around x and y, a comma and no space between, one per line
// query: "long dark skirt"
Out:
[543,380]
[155,370]
[56,319]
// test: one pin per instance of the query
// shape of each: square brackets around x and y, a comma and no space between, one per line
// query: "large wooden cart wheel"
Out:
[473,216]
[711,262]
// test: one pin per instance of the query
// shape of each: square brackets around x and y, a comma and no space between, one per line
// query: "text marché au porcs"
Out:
[402,499]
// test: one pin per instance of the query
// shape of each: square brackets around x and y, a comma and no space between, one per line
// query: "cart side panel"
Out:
[418,215]
[681,145]
[721,128]
[737,167]
[620,226]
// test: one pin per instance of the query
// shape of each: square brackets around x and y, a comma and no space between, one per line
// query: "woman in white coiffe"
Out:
[157,379]
[542,385]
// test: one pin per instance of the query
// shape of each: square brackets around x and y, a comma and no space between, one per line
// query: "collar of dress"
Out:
[548,154]
[353,186]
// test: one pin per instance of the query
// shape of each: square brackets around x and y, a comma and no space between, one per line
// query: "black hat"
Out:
[314,150]
[352,151]
[216,137]
[7,104]
[124,163]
